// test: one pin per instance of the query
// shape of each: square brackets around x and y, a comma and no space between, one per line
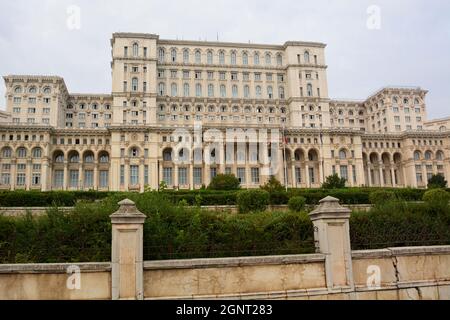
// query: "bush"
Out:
[437,200]
[297,204]
[273,185]
[334,182]
[252,200]
[379,197]
[224,182]
[437,181]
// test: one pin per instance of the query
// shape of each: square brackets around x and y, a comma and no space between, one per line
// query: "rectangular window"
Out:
[255,175]
[74,177]
[104,175]
[344,172]
[354,174]
[311,175]
[213,172]
[122,175]
[182,176]
[58,179]
[89,179]
[21,179]
[167,176]
[5,179]
[298,175]
[198,176]
[241,175]
[134,175]
[36,179]
[146,179]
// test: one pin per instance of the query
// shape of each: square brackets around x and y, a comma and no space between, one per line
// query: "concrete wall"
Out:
[49,282]
[406,273]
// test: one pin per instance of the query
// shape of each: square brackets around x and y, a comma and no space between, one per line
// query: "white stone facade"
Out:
[174,104]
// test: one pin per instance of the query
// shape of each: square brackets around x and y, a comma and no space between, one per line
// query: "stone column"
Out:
[12,177]
[369,175]
[45,181]
[127,252]
[29,173]
[394,184]
[96,177]
[307,180]
[332,236]
[380,168]
[80,177]
[66,176]
[294,178]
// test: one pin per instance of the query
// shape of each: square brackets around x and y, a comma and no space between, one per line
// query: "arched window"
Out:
[279,60]
[342,155]
[32,90]
[233,57]
[174,90]
[417,155]
[428,155]
[309,90]
[211,109]
[161,55]
[173,55]
[134,152]
[59,158]
[223,91]
[161,89]
[104,158]
[18,90]
[210,90]
[270,92]
[186,89]
[256,58]
[439,156]
[258,91]
[268,59]
[443,128]
[221,57]
[198,56]
[167,155]
[135,84]
[209,57]
[74,158]
[306,57]
[21,153]
[246,91]
[245,58]
[198,90]
[281,92]
[89,158]
[186,56]
[234,91]
[6,152]
[37,153]
[135,50]
[47,90]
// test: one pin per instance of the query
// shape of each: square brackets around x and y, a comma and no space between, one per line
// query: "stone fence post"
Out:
[332,236]
[127,252]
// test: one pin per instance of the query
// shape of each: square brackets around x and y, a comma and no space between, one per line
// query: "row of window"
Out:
[428,155]
[85,106]
[222,91]
[7,153]
[222,108]
[234,76]
[31,100]
[32,90]
[74,179]
[31,110]
[211,58]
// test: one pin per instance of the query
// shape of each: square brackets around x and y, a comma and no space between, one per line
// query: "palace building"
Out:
[184,111]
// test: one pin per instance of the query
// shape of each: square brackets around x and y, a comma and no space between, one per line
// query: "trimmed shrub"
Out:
[252,200]
[273,185]
[334,182]
[437,200]
[224,182]
[379,197]
[297,204]
[437,181]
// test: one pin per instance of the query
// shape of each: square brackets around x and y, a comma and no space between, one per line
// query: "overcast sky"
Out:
[411,47]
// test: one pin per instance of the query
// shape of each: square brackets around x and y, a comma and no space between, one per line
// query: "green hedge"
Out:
[45,199]
[177,232]
[205,197]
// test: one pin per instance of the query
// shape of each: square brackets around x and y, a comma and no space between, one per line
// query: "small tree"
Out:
[437,200]
[225,182]
[334,182]
[297,204]
[255,200]
[437,181]
[273,185]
